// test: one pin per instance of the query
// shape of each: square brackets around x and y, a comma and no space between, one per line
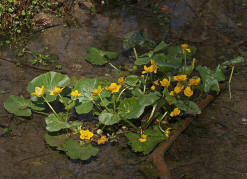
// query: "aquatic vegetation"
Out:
[151,103]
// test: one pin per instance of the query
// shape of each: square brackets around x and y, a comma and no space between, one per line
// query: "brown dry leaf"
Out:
[166,9]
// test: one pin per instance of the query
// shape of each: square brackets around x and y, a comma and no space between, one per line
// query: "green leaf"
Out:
[232,62]
[210,79]
[56,140]
[162,45]
[18,106]
[154,137]
[107,118]
[131,80]
[50,80]
[163,62]
[76,150]
[142,60]
[132,39]
[188,106]
[84,107]
[85,87]
[99,57]
[53,124]
[132,108]
[36,106]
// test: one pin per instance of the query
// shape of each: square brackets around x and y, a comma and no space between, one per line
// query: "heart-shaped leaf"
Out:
[50,80]
[75,150]
[154,137]
[99,57]
[53,123]
[107,118]
[18,106]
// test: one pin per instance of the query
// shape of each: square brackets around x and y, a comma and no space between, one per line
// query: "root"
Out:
[157,156]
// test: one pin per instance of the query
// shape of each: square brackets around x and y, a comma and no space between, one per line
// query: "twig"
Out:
[31,66]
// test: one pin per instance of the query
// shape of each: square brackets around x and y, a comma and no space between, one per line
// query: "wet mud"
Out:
[214,145]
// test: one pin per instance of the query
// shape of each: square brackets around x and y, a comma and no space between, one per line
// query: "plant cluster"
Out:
[151,102]
[16,16]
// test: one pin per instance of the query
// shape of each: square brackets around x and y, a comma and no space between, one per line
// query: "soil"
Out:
[214,145]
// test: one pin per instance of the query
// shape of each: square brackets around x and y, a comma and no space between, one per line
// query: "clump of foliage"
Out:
[16,16]
[151,103]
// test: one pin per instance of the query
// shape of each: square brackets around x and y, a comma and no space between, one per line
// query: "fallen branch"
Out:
[32,66]
[157,156]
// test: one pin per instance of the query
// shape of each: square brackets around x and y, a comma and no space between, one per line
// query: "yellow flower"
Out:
[194,82]
[56,91]
[156,83]
[114,88]
[143,138]
[153,87]
[75,93]
[178,88]
[188,92]
[165,82]
[97,91]
[121,80]
[175,112]
[168,132]
[180,77]
[86,134]
[154,66]
[171,93]
[39,91]
[185,47]
[102,140]
[148,69]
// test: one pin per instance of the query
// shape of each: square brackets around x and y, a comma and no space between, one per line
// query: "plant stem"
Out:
[145,81]
[113,66]
[136,55]
[96,105]
[229,83]
[104,104]
[120,94]
[50,107]
[161,120]
[66,107]
[43,113]
[114,102]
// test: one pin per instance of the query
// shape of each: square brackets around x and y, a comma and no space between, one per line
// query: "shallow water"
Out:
[213,26]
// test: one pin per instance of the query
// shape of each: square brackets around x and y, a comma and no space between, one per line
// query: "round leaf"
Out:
[76,150]
[107,118]
[50,80]
[18,105]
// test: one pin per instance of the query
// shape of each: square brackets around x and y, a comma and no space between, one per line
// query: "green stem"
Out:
[43,113]
[50,107]
[113,66]
[114,102]
[66,107]
[120,94]
[229,82]
[104,104]
[161,120]
[185,56]
[145,81]
[96,105]
[136,55]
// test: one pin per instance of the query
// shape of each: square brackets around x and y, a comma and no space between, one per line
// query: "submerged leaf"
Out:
[56,140]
